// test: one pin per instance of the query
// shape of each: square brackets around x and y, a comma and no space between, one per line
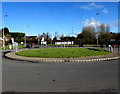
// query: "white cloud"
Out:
[91,6]
[85,7]
[92,22]
[115,24]
[105,11]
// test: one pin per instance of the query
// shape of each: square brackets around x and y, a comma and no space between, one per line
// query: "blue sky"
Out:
[66,18]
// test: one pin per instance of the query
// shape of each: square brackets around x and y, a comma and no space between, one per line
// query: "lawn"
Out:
[7,47]
[62,52]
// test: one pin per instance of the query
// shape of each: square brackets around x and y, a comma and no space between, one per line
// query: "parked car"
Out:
[29,45]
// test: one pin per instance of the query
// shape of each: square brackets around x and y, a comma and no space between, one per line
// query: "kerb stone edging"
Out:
[12,55]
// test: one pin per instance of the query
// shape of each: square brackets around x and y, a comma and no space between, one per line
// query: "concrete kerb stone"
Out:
[12,55]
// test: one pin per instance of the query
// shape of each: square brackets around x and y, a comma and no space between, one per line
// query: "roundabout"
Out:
[62,52]
[62,55]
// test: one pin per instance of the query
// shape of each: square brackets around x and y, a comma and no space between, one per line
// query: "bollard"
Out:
[16,48]
[16,45]
[111,49]
[10,46]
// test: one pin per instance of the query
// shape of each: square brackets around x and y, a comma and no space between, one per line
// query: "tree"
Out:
[47,37]
[17,36]
[6,30]
[72,38]
[62,38]
[87,35]
[103,33]
[117,36]
[54,39]
[56,35]
[66,38]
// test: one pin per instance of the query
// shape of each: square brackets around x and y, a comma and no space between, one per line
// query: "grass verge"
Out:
[7,47]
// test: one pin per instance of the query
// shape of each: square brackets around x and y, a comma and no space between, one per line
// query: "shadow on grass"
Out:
[93,49]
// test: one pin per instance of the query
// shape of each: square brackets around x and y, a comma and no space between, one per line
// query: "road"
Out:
[22,76]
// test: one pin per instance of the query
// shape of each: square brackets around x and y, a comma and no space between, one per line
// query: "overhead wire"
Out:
[59,13]
[78,17]
[61,9]
[51,10]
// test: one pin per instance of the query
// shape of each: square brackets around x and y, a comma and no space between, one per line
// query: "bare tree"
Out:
[103,33]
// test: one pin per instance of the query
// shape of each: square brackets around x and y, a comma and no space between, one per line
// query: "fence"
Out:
[112,48]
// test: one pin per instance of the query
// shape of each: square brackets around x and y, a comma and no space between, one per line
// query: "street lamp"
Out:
[25,34]
[97,38]
[3,31]
[25,40]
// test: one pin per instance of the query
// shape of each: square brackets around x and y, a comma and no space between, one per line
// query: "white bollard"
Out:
[111,49]
[16,46]
[10,46]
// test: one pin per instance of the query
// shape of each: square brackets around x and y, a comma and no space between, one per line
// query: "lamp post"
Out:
[97,34]
[3,31]
[25,40]
[25,35]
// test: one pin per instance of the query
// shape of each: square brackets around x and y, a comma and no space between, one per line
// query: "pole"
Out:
[25,35]
[3,32]
[97,40]
[25,40]
[3,39]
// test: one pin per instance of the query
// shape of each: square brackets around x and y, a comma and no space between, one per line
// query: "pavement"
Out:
[112,56]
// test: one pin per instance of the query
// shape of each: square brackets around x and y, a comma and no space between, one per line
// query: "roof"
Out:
[31,36]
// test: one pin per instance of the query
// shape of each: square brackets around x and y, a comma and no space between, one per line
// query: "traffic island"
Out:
[56,55]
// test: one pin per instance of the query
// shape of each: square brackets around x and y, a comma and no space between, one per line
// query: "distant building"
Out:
[1,39]
[32,39]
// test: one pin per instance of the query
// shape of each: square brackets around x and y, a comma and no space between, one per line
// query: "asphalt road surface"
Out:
[22,76]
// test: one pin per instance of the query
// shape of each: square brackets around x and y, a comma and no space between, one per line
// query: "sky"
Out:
[67,18]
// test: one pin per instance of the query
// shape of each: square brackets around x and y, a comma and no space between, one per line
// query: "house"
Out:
[1,39]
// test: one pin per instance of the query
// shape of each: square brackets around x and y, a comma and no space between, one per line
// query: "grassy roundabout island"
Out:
[62,52]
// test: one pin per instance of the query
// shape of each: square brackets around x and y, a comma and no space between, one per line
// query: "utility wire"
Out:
[53,14]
